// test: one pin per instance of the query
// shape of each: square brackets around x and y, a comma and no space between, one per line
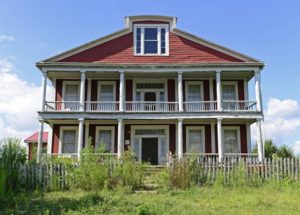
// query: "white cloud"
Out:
[6,38]
[19,103]
[282,118]
[296,147]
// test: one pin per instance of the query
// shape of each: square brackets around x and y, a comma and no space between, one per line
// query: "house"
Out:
[155,88]
[32,142]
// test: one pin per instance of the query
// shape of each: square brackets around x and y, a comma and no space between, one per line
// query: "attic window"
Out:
[151,40]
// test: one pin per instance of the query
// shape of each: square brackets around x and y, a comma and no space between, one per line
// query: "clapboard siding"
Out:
[120,51]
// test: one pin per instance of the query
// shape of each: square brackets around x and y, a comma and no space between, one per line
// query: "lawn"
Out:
[269,199]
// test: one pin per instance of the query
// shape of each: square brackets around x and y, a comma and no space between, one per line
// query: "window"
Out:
[71,95]
[106,96]
[194,96]
[105,139]
[229,92]
[68,140]
[231,140]
[151,39]
[195,140]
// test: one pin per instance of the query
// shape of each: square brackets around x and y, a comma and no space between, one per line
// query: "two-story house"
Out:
[155,88]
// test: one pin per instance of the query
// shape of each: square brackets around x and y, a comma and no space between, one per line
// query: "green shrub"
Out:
[180,175]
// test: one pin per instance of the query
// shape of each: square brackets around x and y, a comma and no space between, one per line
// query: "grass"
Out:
[269,199]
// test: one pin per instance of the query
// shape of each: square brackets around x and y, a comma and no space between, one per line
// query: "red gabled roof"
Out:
[34,138]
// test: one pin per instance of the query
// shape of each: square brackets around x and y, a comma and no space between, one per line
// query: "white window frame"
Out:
[157,91]
[159,27]
[65,83]
[187,83]
[156,127]
[106,128]
[188,129]
[235,84]
[235,128]
[61,133]
[100,83]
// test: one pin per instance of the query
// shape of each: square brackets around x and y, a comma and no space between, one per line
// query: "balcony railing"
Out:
[140,106]
[149,106]
[239,105]
[200,106]
[102,106]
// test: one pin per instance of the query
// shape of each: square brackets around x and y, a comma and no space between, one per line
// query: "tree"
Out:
[285,152]
[272,150]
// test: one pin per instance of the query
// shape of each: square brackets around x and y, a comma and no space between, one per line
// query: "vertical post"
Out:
[80,137]
[258,90]
[259,140]
[50,137]
[44,89]
[180,138]
[211,94]
[120,137]
[218,85]
[40,142]
[121,91]
[213,141]
[82,89]
[220,140]
[180,90]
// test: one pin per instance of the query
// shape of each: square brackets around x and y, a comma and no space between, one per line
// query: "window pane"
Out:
[194,93]
[228,92]
[69,141]
[105,139]
[163,41]
[138,40]
[150,33]
[231,141]
[195,144]
[107,93]
[71,92]
[150,47]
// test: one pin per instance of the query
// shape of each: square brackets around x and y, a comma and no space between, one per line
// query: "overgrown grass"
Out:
[271,198]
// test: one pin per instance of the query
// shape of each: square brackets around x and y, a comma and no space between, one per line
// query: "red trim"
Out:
[241,90]
[129,90]
[171,90]
[94,90]
[55,139]
[127,135]
[206,90]
[172,138]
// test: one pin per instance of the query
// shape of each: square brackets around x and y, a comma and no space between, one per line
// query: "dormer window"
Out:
[151,40]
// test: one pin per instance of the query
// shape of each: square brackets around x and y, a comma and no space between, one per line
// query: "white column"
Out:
[180,138]
[220,140]
[44,89]
[87,127]
[212,136]
[82,90]
[40,142]
[180,90]
[259,140]
[50,137]
[120,137]
[218,85]
[258,90]
[122,91]
[211,93]
[80,137]
[89,93]
[246,90]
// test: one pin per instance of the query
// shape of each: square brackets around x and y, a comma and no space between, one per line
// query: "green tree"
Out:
[272,150]
[285,152]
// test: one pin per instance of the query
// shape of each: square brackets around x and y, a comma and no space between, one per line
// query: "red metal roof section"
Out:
[34,138]
[120,51]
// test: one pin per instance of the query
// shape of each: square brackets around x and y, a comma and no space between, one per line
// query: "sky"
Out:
[265,29]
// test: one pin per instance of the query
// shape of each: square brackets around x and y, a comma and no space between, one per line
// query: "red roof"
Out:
[34,138]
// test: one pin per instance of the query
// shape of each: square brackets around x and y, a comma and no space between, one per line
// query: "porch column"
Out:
[211,94]
[218,85]
[40,142]
[50,137]
[82,89]
[258,90]
[80,137]
[44,89]
[120,137]
[121,91]
[260,147]
[220,140]
[180,90]
[180,138]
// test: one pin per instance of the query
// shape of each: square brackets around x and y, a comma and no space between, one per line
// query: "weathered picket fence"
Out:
[230,168]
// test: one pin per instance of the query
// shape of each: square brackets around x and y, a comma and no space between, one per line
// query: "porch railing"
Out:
[141,106]
[200,106]
[102,106]
[62,106]
[239,105]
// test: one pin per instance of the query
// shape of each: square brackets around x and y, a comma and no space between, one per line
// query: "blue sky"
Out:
[267,30]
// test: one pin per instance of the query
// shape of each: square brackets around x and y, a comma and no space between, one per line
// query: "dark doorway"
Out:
[150,99]
[150,150]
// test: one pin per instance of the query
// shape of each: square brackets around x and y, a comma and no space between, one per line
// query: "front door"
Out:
[150,150]
[150,99]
